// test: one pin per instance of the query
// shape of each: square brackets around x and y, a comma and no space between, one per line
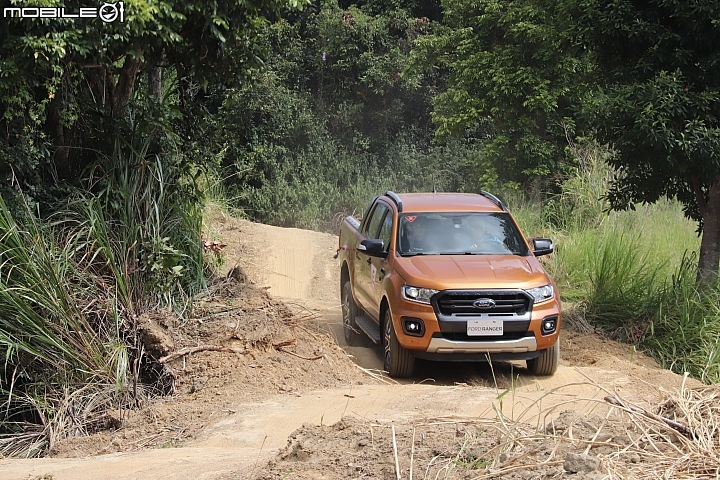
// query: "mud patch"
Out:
[154,332]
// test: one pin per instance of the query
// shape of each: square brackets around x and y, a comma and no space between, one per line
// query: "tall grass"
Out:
[59,332]
[630,274]
[153,224]
[71,286]
[684,332]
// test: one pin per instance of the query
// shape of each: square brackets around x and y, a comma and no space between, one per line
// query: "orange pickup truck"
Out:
[447,276]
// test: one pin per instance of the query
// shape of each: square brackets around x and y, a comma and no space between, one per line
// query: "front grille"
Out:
[461,303]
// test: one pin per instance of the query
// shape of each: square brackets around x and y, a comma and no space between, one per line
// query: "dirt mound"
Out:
[239,345]
[583,447]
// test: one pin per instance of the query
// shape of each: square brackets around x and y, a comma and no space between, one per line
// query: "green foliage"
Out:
[69,288]
[509,70]
[582,201]
[99,165]
[658,66]
[65,83]
[684,334]
[332,121]
[156,227]
[629,273]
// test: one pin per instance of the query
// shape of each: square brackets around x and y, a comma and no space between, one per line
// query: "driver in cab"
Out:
[420,234]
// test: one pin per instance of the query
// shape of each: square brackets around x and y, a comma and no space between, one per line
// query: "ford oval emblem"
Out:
[484,303]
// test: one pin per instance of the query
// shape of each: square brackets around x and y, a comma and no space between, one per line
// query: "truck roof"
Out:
[447,202]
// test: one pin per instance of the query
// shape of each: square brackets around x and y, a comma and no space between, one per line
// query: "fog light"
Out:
[549,325]
[413,326]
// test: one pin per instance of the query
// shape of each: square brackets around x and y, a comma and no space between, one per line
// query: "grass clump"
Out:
[61,333]
[71,287]
[683,334]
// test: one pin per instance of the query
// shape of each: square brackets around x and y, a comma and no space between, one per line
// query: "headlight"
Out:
[415,294]
[541,294]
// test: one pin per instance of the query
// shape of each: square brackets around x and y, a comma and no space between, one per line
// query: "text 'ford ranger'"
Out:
[447,276]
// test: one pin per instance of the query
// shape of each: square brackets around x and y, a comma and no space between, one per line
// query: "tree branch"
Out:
[124,88]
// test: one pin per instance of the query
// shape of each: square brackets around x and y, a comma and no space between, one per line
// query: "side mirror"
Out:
[542,246]
[374,248]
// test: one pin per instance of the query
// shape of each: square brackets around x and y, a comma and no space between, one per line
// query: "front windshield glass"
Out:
[486,233]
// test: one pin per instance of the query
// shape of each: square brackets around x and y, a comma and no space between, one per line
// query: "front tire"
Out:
[349,312]
[547,362]
[399,362]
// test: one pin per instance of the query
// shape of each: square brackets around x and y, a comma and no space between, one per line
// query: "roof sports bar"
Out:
[395,199]
[494,199]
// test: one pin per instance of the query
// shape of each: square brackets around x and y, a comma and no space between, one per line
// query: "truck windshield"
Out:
[483,233]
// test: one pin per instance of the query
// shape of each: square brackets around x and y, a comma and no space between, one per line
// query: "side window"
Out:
[373,225]
[386,230]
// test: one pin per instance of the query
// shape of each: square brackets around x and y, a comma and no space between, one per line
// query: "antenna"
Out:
[433,179]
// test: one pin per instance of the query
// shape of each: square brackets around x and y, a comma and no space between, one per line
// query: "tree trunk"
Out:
[155,83]
[56,129]
[709,260]
[121,91]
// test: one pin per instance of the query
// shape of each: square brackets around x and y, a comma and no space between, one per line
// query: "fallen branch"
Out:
[280,349]
[677,426]
[202,348]
[278,346]
[295,319]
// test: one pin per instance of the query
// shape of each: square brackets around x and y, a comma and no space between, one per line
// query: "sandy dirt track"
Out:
[298,267]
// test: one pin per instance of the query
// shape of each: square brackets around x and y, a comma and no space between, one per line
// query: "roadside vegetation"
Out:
[102,157]
[113,137]
[630,275]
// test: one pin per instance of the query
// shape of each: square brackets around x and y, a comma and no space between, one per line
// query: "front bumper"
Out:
[519,345]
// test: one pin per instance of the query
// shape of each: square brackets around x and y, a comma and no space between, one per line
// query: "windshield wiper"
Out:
[460,253]
[412,254]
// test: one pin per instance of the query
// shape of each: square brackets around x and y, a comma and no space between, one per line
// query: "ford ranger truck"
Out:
[447,276]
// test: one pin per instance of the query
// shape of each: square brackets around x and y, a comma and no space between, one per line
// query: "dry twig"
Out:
[202,348]
[300,356]
[397,464]
[412,453]
[286,343]
[671,423]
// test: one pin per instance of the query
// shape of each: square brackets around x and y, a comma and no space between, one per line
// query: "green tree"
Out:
[101,126]
[660,62]
[509,72]
[66,84]
[331,118]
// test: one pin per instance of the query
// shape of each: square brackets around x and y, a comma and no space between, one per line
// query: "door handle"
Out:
[382,274]
[369,260]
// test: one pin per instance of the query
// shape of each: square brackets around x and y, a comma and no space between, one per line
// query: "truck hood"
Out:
[442,272]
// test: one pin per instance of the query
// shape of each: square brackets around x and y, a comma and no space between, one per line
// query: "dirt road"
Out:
[298,267]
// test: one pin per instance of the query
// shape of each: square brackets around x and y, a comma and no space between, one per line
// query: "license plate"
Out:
[476,328]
